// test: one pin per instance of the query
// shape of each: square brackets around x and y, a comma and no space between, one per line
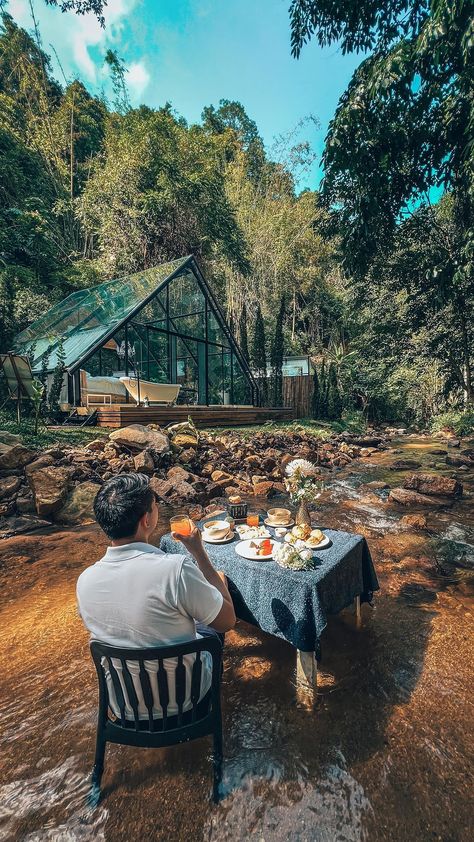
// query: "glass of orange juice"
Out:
[181,524]
[253,519]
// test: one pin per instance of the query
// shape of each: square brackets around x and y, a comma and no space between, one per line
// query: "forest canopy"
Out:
[370,280]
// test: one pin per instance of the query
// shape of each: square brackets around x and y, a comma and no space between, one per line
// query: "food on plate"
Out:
[315,538]
[265,547]
[301,531]
[246,532]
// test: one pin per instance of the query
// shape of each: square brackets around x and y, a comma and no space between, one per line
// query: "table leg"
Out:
[357,611]
[306,675]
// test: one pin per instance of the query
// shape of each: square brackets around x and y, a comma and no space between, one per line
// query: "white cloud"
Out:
[138,78]
[78,38]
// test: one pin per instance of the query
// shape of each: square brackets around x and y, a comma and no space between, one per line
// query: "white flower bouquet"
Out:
[294,556]
[301,481]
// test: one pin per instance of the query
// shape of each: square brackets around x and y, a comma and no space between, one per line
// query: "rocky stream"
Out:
[387,752]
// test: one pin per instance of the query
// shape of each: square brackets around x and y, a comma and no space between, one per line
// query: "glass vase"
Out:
[302,515]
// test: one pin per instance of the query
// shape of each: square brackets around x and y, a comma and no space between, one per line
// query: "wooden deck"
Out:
[120,415]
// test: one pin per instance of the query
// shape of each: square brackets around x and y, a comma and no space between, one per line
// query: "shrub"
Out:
[461,423]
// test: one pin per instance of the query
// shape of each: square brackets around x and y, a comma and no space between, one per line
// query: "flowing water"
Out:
[387,753]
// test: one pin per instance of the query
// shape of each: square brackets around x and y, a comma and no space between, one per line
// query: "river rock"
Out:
[79,505]
[416,521]
[454,443]
[434,484]
[407,497]
[460,460]
[405,465]
[138,437]
[95,445]
[377,484]
[25,505]
[42,462]
[17,525]
[15,456]
[143,462]
[178,473]
[8,487]
[188,455]
[50,486]
[263,489]
[173,488]
[9,438]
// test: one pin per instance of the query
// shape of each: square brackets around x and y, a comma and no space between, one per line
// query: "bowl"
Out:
[279,515]
[217,528]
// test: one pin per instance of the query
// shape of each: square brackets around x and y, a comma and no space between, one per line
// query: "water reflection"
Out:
[386,754]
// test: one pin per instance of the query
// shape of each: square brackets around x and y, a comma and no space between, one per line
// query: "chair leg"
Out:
[217,765]
[97,771]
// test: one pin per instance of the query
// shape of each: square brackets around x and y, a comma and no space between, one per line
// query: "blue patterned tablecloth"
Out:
[294,605]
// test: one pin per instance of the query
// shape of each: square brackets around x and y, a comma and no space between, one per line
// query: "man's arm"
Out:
[226,618]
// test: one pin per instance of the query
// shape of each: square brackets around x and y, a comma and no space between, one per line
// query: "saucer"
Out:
[226,540]
[278,525]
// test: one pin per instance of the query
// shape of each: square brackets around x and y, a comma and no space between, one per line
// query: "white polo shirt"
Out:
[137,596]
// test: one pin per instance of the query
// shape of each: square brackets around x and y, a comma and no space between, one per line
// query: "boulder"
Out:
[187,455]
[78,506]
[138,437]
[15,456]
[460,460]
[178,473]
[174,488]
[50,487]
[42,462]
[8,487]
[405,465]
[434,484]
[263,489]
[9,438]
[17,525]
[406,497]
[95,445]
[143,462]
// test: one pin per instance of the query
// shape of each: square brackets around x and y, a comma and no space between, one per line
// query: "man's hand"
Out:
[192,542]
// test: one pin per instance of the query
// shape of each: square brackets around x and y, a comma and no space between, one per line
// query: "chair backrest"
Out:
[138,681]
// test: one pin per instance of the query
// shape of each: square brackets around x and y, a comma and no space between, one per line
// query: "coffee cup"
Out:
[216,529]
[279,516]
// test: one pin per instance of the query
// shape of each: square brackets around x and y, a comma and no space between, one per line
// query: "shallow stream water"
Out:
[387,753]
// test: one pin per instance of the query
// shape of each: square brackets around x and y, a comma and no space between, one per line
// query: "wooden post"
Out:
[306,676]
[358,614]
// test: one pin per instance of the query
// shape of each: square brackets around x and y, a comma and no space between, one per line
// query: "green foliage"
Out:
[316,397]
[258,356]
[45,437]
[334,402]
[461,423]
[58,377]
[276,355]
[37,400]
[243,333]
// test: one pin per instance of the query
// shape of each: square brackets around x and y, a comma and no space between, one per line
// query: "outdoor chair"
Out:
[202,719]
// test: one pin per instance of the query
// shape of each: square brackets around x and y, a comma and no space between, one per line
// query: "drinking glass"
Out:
[253,519]
[181,524]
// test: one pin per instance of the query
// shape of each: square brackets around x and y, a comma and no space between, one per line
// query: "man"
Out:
[136,596]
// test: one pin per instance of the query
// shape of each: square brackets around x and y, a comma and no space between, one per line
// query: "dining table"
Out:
[294,605]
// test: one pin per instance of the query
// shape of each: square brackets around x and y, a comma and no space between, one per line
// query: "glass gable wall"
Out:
[162,325]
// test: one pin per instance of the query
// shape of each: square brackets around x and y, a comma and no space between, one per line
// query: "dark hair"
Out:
[121,502]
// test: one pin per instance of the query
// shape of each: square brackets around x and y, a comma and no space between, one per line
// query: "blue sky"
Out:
[193,53]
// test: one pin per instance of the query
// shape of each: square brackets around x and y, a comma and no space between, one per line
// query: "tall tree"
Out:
[259,356]
[334,402]
[277,353]
[316,397]
[243,332]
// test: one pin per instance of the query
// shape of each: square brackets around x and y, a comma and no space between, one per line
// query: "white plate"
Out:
[252,532]
[322,544]
[279,525]
[228,538]
[244,549]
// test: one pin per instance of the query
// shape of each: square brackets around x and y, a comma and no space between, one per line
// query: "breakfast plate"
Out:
[225,540]
[286,525]
[244,549]
[290,539]
[252,532]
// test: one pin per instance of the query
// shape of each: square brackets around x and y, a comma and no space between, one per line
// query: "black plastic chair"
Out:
[204,718]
